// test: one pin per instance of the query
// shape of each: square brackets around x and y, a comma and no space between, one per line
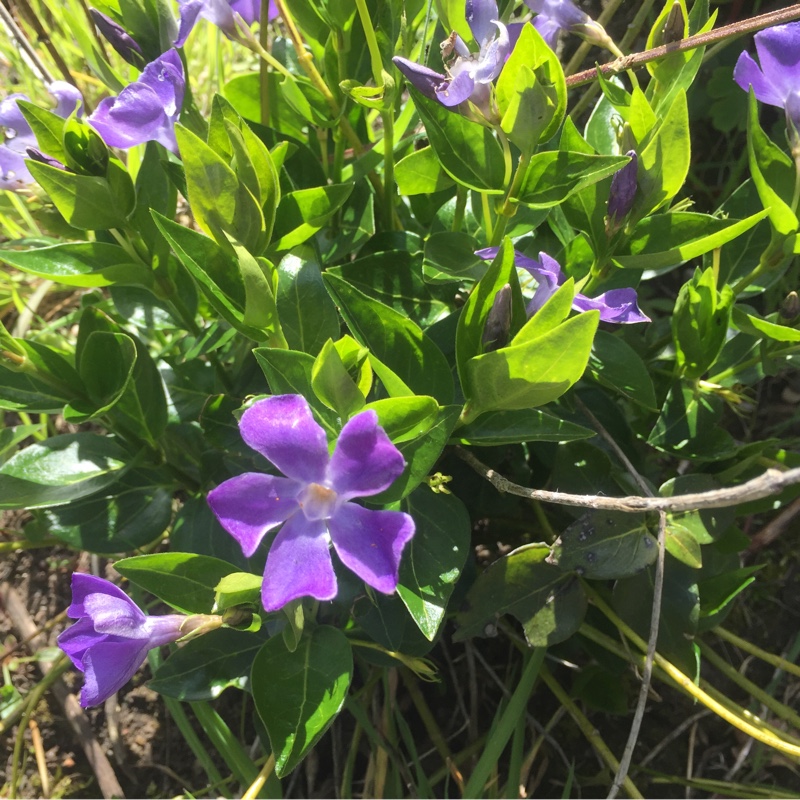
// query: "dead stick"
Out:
[18,614]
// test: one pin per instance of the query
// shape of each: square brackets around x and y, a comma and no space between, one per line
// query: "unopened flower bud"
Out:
[675,26]
[498,323]
[623,192]
[790,307]
[37,155]
[119,38]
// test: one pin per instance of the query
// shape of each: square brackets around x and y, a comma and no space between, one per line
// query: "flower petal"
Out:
[282,428]
[616,305]
[108,667]
[778,51]
[14,173]
[480,14]
[456,91]
[425,80]
[298,565]
[114,616]
[249,10]
[493,56]
[77,639]
[365,461]
[747,73]
[189,12]
[11,115]
[370,543]
[249,505]
[85,585]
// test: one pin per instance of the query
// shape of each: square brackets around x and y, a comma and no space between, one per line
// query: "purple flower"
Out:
[221,13]
[775,82]
[469,75]
[314,502]
[623,190]
[616,305]
[118,38]
[111,638]
[145,110]
[14,174]
[554,15]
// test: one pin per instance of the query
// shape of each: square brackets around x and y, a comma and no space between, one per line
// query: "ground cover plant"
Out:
[392,408]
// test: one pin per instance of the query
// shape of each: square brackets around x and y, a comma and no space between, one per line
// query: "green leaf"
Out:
[203,668]
[664,161]
[333,384]
[615,364]
[467,151]
[603,545]
[84,264]
[453,253]
[555,175]
[756,326]
[61,470]
[530,374]
[653,241]
[524,425]
[434,559]
[405,418]
[85,201]
[298,694]
[421,173]
[10,437]
[307,314]
[236,589]
[184,581]
[549,603]
[395,340]
[302,213]
[47,127]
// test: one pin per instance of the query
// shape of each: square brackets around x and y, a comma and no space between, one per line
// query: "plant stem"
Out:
[27,544]
[258,784]
[749,647]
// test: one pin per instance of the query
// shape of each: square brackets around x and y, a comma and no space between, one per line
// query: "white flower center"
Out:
[317,501]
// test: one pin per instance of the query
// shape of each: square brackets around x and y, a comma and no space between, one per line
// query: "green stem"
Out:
[27,544]
[764,655]
[487,217]
[505,727]
[509,209]
[461,205]
[263,76]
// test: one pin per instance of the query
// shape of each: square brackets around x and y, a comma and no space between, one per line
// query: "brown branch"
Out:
[691,43]
[772,482]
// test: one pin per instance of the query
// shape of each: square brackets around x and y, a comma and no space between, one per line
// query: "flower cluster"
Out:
[616,305]
[314,502]
[19,138]
[111,638]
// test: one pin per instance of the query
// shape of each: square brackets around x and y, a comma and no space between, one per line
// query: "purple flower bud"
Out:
[111,638]
[498,321]
[38,155]
[617,305]
[313,503]
[623,190]
[118,38]
[775,82]
[145,110]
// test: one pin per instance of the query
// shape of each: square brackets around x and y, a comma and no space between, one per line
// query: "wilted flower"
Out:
[111,638]
[469,75]
[14,173]
[616,305]
[145,110]
[775,82]
[314,502]
[118,38]
[623,191]
[221,13]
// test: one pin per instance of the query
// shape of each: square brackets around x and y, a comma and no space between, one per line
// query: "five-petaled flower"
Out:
[14,174]
[615,305]
[145,110]
[314,502]
[775,82]
[111,638]
[221,13]
[469,75]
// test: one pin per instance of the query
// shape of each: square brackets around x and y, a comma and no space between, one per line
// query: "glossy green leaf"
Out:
[302,213]
[395,340]
[548,602]
[524,425]
[45,384]
[60,470]
[435,557]
[333,384]
[298,694]
[453,253]
[185,581]
[405,418]
[236,589]
[615,364]
[83,264]
[203,668]
[467,151]
[759,327]
[421,173]
[603,545]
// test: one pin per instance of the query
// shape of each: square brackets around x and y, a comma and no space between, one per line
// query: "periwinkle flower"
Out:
[14,174]
[553,16]
[111,638]
[616,305]
[777,81]
[221,13]
[118,38]
[145,110]
[623,190]
[469,75]
[314,502]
